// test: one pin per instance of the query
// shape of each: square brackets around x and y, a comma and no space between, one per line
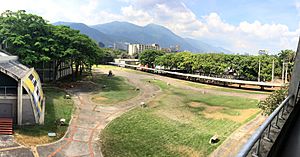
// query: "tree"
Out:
[34,40]
[148,57]
[26,35]
[224,65]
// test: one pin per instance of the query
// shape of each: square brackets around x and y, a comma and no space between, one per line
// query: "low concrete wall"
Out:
[28,115]
[13,101]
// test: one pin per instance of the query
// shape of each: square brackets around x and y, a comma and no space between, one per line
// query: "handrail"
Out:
[259,132]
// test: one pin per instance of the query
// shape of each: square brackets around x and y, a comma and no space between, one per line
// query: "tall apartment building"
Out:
[138,48]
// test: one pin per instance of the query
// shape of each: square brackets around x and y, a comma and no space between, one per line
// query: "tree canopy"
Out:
[34,40]
[148,57]
[223,65]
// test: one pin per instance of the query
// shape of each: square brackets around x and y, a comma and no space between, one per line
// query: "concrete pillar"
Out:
[20,102]
[42,116]
[294,83]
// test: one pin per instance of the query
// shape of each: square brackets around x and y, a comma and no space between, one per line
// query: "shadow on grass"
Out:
[111,90]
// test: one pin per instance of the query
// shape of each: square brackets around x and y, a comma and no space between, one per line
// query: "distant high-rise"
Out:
[262,52]
[138,48]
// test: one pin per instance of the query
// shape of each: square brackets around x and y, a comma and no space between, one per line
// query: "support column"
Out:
[20,102]
[294,82]
[42,118]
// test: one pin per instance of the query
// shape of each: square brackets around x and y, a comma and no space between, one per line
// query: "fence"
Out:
[263,132]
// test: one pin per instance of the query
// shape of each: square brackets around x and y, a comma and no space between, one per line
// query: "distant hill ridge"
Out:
[125,32]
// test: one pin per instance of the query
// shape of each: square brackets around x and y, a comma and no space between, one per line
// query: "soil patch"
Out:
[28,141]
[214,112]
[100,98]
[185,151]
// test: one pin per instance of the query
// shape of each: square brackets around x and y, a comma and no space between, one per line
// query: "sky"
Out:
[242,26]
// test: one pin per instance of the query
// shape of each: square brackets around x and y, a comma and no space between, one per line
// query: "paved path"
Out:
[8,147]
[89,119]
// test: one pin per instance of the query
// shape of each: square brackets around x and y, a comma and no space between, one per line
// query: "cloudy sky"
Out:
[238,25]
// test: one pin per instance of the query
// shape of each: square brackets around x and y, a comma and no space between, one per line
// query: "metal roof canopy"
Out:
[11,66]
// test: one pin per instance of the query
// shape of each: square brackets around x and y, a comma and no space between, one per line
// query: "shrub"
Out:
[272,101]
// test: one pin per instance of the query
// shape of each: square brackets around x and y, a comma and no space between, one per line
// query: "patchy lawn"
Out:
[113,90]
[224,89]
[177,123]
[56,108]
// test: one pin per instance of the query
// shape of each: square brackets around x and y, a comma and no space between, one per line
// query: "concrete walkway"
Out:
[8,147]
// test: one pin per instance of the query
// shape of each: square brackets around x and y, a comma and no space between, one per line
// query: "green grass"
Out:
[56,108]
[116,89]
[224,89]
[171,127]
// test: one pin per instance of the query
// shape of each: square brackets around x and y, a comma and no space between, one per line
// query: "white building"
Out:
[138,48]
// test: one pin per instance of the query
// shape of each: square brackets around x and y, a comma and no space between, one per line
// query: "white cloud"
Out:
[136,16]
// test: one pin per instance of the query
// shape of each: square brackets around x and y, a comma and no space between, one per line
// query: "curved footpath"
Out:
[90,118]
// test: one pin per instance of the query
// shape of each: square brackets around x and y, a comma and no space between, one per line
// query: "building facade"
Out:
[21,95]
[139,48]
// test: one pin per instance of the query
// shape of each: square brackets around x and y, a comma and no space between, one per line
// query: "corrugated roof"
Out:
[10,64]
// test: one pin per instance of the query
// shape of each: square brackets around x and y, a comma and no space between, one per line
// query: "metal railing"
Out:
[259,134]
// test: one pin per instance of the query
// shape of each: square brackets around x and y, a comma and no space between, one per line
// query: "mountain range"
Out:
[124,32]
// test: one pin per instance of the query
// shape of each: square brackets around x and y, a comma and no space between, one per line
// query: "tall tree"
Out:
[148,57]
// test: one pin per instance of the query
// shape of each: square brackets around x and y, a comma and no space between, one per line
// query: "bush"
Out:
[272,101]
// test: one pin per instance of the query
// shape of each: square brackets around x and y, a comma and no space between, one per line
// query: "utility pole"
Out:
[282,78]
[286,72]
[273,67]
[258,71]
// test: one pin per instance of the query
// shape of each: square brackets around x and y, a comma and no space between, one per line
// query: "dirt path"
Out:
[181,84]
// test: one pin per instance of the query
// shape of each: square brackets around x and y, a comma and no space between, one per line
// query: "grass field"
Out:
[177,123]
[56,107]
[224,89]
[116,89]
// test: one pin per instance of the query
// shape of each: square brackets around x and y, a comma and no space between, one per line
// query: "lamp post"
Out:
[273,67]
[282,77]
[258,70]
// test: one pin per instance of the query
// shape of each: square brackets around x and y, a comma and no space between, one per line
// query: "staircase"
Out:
[6,126]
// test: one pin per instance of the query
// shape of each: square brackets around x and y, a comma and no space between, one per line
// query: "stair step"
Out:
[6,126]
[6,133]
[6,122]
[8,130]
